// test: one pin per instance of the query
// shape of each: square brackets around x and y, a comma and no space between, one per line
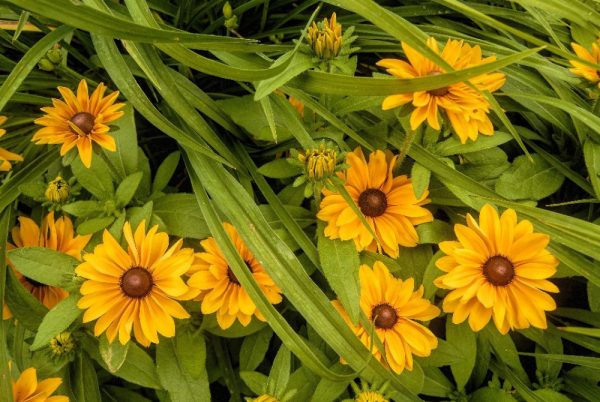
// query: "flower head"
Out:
[393,305]
[6,157]
[57,190]
[387,202]
[221,290]
[62,344]
[589,73]
[27,388]
[325,38]
[135,289]
[497,269]
[465,107]
[370,396]
[319,163]
[54,234]
[79,121]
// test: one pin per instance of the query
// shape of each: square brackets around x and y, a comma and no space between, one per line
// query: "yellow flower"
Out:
[221,291]
[6,156]
[56,235]
[388,204]
[465,108]
[28,389]
[370,396]
[57,190]
[589,73]
[135,289]
[393,306]
[497,269]
[264,398]
[325,38]
[80,121]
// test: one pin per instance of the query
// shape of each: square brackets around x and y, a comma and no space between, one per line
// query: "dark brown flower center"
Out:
[137,282]
[34,283]
[372,202]
[232,278]
[384,316]
[498,270]
[438,91]
[84,121]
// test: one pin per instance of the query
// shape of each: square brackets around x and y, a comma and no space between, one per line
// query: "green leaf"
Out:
[529,180]
[125,158]
[593,292]
[548,395]
[434,232]
[180,215]
[330,391]
[127,189]
[138,367]
[257,382]
[138,214]
[83,208]
[505,350]
[123,394]
[340,264]
[96,179]
[84,381]
[254,119]
[45,266]
[191,350]
[182,387]
[279,169]
[586,361]
[591,153]
[113,354]
[487,394]
[465,341]
[453,146]
[5,374]
[165,171]
[58,319]
[419,176]
[280,372]
[94,225]
[254,347]
[436,383]
[299,64]
[26,308]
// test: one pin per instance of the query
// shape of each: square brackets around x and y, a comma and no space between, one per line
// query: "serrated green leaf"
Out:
[527,179]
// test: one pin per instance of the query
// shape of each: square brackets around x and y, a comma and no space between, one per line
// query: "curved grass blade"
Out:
[5,375]
[28,62]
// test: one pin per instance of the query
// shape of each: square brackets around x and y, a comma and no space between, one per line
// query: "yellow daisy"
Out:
[465,108]
[28,389]
[135,289]
[589,73]
[370,396]
[80,120]
[393,306]
[56,235]
[6,156]
[388,204]
[497,269]
[221,291]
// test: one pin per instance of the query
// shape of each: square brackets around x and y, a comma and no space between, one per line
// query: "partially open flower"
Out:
[319,163]
[583,70]
[57,190]
[62,344]
[325,38]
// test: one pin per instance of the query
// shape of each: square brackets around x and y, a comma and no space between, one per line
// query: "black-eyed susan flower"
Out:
[6,157]
[589,73]
[135,289]
[79,121]
[498,269]
[263,398]
[368,393]
[57,190]
[325,38]
[27,388]
[466,108]
[393,306]
[221,291]
[54,234]
[387,202]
